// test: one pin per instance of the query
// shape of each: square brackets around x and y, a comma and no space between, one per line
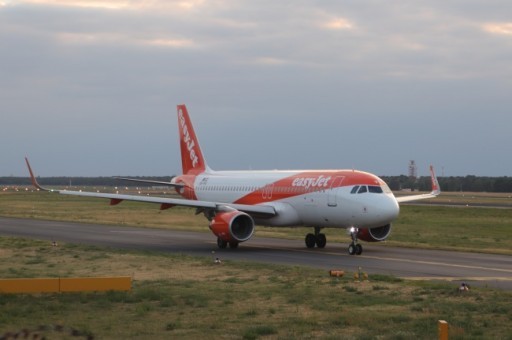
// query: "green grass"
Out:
[177,296]
[461,228]
[454,228]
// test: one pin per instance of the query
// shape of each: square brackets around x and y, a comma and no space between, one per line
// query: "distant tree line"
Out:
[454,183]
[80,181]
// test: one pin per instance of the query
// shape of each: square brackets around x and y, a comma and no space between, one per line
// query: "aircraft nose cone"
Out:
[394,209]
[389,209]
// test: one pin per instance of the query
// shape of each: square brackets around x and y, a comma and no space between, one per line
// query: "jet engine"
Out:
[376,234]
[233,226]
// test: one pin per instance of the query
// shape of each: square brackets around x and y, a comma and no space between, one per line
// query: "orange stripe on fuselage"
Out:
[305,182]
[291,186]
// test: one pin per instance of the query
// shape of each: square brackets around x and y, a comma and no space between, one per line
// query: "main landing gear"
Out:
[354,248]
[317,239]
[223,244]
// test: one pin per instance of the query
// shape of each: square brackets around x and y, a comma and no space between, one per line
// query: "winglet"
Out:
[33,178]
[436,189]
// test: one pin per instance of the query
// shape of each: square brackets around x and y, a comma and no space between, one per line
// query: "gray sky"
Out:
[90,88]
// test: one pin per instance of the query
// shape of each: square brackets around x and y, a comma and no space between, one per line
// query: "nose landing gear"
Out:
[354,248]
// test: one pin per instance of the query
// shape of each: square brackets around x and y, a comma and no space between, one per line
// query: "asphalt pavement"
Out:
[414,264]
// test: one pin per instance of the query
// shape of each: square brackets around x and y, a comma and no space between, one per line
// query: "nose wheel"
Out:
[354,248]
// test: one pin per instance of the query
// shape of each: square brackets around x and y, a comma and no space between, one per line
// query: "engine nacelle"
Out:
[376,234]
[232,226]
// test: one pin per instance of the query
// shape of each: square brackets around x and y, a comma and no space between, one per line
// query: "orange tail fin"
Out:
[192,159]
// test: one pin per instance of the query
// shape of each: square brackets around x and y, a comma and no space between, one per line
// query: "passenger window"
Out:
[362,189]
[354,189]
[375,189]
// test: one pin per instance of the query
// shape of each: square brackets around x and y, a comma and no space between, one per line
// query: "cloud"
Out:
[338,24]
[174,43]
[85,38]
[327,73]
[115,4]
[108,4]
[71,38]
[498,28]
[270,61]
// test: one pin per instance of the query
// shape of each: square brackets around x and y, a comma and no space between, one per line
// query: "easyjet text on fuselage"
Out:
[307,182]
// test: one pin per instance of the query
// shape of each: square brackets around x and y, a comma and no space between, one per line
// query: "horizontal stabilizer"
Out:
[151,182]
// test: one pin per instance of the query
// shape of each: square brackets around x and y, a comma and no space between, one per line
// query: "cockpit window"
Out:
[375,189]
[385,187]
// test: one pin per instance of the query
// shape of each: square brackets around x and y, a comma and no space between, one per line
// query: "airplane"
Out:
[234,202]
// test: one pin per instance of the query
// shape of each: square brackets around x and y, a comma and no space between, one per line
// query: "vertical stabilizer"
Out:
[192,159]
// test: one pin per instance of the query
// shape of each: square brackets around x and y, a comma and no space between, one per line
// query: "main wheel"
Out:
[352,249]
[233,245]
[359,249]
[310,240]
[321,240]
[221,243]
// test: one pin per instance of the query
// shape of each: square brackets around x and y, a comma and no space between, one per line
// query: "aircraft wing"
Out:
[411,198]
[163,201]
[169,202]
[436,190]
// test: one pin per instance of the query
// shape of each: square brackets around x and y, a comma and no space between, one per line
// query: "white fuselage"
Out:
[304,198]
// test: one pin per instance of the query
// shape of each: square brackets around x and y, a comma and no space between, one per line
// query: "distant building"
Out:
[413,170]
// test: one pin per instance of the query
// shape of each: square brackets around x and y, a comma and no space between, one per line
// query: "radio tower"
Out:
[413,171]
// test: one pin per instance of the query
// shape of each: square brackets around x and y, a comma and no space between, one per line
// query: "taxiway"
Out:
[415,264]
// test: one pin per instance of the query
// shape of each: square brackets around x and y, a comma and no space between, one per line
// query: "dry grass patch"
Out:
[177,296]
